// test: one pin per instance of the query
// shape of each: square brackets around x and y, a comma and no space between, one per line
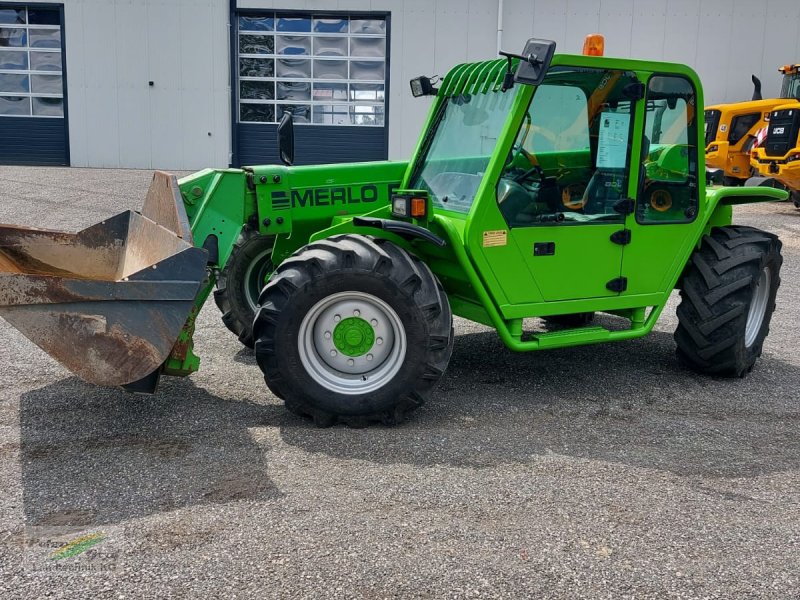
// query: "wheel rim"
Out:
[352,343]
[758,308]
[255,277]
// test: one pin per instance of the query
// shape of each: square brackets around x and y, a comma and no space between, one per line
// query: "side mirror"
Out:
[533,63]
[286,138]
[537,56]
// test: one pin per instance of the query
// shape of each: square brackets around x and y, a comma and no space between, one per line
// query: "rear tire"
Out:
[353,329]
[795,197]
[242,280]
[727,299]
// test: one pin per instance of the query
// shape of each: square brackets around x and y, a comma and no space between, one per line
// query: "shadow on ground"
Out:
[87,452]
[630,403]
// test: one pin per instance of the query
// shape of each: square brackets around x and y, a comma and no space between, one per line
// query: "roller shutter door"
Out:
[33,124]
[329,70]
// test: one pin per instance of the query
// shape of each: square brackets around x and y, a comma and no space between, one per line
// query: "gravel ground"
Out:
[596,472]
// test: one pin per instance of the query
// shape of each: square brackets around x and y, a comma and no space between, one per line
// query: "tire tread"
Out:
[351,252]
[716,292]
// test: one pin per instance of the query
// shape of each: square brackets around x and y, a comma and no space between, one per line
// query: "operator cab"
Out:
[791,81]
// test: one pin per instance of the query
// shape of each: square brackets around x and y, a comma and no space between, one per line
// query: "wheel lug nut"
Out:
[327,335]
[369,356]
[333,353]
[336,318]
[379,341]
[351,362]
[374,322]
[357,312]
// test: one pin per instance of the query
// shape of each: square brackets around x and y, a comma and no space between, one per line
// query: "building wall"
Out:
[116,47]
[723,40]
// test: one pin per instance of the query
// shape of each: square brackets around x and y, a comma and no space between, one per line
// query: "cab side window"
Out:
[570,162]
[668,191]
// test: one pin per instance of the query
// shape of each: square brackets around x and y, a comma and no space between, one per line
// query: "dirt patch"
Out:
[69,516]
[181,535]
[159,447]
[241,486]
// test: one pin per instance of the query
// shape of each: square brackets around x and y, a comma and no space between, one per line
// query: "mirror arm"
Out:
[532,59]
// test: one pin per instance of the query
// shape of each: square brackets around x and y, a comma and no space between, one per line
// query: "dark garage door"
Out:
[33,124]
[329,70]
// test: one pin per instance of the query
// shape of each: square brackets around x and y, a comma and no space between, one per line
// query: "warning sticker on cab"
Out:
[495,238]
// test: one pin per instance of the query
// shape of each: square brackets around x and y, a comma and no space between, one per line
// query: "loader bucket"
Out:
[107,302]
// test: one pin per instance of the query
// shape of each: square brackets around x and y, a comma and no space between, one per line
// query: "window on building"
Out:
[30,62]
[326,71]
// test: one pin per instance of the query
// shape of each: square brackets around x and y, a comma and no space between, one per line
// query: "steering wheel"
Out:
[518,149]
[523,176]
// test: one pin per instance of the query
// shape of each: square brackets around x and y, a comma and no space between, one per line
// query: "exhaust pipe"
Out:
[756,88]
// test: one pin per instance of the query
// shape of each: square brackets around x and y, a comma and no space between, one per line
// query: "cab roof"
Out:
[487,76]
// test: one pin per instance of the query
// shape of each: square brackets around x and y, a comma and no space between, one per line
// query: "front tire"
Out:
[727,299]
[353,329]
[241,281]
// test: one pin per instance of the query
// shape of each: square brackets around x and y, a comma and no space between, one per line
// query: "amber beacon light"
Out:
[594,44]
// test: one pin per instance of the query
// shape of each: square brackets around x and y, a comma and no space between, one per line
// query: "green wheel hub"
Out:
[353,336]
[351,342]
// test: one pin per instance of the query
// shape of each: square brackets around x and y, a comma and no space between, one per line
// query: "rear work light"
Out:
[410,205]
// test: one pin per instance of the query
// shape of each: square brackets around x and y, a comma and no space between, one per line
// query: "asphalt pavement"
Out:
[594,472]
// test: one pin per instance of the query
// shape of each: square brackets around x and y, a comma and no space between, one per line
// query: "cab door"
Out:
[561,194]
[669,187]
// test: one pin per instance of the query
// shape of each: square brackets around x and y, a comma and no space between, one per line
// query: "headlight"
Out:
[400,206]
[412,205]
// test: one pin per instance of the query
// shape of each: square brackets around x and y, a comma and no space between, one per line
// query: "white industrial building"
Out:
[184,84]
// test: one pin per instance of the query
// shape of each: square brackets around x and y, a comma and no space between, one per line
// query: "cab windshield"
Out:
[791,86]
[457,150]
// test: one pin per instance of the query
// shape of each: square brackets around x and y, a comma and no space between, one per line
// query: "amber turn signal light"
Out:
[418,208]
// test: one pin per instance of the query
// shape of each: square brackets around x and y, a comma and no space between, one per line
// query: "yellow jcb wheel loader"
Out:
[732,129]
[777,159]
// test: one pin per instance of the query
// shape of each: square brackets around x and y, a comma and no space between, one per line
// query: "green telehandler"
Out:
[542,186]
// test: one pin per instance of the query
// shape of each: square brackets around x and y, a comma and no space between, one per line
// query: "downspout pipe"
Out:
[499,25]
